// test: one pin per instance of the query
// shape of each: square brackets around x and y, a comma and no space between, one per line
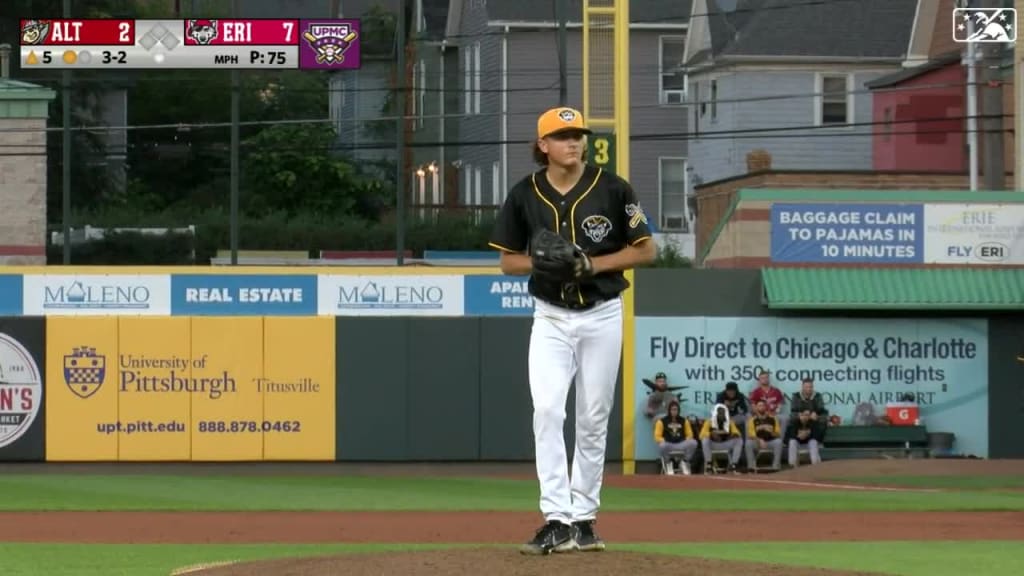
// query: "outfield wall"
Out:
[400,364]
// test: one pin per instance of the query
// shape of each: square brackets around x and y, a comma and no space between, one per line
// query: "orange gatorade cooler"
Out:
[903,413]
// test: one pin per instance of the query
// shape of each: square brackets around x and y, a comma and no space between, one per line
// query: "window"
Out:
[835,105]
[887,126]
[673,191]
[714,100]
[421,84]
[467,184]
[476,78]
[467,81]
[414,91]
[670,62]
[496,183]
[337,101]
[478,186]
[471,79]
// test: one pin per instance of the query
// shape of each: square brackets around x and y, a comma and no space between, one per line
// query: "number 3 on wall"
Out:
[600,151]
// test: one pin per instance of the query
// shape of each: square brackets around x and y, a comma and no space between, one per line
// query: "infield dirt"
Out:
[505,562]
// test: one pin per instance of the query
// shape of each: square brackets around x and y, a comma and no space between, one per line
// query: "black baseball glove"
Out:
[556,258]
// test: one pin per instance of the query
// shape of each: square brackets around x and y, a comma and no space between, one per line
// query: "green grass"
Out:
[942,482]
[28,492]
[154,559]
[902,558]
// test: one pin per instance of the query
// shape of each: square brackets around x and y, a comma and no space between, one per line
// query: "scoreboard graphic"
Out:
[331,44]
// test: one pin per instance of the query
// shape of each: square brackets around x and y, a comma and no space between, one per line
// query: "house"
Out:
[920,112]
[787,77]
[360,101]
[508,74]
[907,106]
[432,107]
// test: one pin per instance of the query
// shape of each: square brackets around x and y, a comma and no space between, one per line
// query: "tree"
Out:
[90,182]
[189,164]
[289,168]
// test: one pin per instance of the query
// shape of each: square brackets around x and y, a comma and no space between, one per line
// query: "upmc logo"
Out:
[21,390]
[106,294]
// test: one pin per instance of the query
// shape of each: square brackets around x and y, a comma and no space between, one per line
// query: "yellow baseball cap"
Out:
[561,119]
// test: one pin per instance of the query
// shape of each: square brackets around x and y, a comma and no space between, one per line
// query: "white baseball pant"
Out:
[585,345]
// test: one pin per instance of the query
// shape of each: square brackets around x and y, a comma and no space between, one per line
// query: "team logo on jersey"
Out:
[636,215]
[597,227]
[567,115]
[202,31]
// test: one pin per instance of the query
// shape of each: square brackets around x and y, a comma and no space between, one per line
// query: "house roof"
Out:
[640,11]
[975,288]
[864,29]
[908,73]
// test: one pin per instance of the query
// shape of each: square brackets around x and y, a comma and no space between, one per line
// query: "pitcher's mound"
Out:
[505,562]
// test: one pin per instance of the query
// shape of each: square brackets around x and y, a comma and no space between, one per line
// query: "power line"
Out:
[809,130]
[681,108]
[523,72]
[681,20]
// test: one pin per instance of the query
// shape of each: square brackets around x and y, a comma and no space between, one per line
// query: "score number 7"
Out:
[288,27]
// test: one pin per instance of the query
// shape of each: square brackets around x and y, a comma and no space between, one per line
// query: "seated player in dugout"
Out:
[776,399]
[660,395]
[808,400]
[803,434]
[673,435]
[719,433]
[736,402]
[764,434]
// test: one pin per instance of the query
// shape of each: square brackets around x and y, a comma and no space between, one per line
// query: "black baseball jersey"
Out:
[601,215]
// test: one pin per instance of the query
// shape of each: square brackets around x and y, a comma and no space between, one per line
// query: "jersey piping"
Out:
[536,190]
[572,217]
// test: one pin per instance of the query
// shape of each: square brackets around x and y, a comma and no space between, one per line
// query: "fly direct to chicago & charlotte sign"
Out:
[859,366]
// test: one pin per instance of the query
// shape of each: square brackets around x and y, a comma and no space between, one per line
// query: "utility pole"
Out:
[971,62]
[992,108]
[400,85]
[65,87]
[1018,108]
[236,87]
[561,12]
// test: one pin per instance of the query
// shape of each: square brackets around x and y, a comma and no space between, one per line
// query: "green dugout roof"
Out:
[894,288]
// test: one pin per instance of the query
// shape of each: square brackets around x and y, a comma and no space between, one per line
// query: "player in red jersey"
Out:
[771,396]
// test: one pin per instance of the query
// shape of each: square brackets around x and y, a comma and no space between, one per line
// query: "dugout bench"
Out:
[845,442]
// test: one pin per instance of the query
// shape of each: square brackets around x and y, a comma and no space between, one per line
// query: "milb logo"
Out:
[84,371]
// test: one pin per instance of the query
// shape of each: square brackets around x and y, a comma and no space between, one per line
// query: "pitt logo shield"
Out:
[84,371]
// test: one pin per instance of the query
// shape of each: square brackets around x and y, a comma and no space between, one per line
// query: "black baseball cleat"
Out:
[553,536]
[586,539]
